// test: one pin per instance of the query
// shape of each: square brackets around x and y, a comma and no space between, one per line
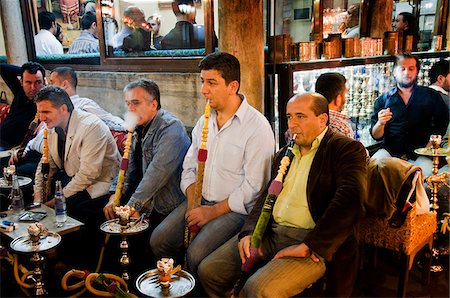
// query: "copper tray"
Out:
[148,284]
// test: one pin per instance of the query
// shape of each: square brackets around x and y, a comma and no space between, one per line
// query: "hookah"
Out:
[274,190]
[45,168]
[111,282]
[191,231]
[36,241]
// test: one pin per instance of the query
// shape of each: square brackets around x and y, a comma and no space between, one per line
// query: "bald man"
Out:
[324,190]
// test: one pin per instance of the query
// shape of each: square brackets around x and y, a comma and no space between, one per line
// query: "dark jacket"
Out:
[185,35]
[336,190]
[22,111]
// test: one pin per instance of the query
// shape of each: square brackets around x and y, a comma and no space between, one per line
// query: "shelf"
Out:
[342,62]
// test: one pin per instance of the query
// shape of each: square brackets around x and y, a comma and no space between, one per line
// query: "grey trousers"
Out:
[283,277]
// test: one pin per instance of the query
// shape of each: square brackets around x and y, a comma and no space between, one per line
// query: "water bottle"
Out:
[60,205]
[17,204]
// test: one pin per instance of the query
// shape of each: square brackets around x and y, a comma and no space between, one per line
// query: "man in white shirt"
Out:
[240,147]
[45,41]
[440,81]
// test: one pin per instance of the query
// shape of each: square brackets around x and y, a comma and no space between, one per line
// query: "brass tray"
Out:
[148,284]
[113,227]
[430,152]
[24,244]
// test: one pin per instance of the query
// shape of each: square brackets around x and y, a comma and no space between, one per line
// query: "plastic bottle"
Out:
[17,204]
[60,205]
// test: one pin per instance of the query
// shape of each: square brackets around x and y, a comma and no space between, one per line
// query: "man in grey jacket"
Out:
[81,152]
[160,142]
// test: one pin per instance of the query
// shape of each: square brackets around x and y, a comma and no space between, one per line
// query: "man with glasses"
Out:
[160,142]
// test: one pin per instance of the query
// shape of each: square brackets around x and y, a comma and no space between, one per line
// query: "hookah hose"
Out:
[191,231]
[87,279]
[45,168]
[28,135]
[274,190]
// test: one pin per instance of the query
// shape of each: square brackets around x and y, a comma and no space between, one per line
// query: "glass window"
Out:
[111,31]
[341,17]
[153,28]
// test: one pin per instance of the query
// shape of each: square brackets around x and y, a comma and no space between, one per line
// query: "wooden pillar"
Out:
[16,49]
[381,20]
[241,33]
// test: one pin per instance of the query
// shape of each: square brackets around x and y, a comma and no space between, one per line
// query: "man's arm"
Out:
[379,119]
[92,154]
[345,206]
[257,161]
[10,75]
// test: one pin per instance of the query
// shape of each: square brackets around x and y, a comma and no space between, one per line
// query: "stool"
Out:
[416,232]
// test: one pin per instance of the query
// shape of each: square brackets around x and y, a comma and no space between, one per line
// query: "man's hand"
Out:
[384,116]
[108,209]
[244,248]
[15,155]
[200,216]
[50,203]
[301,251]
[134,213]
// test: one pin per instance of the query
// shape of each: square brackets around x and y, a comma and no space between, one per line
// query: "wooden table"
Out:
[49,222]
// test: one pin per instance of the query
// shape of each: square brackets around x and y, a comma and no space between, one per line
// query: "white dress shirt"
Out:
[239,158]
[46,43]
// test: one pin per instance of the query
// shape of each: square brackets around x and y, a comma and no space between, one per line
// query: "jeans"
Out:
[167,238]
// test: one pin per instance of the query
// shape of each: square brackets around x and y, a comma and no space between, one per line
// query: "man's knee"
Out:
[195,256]
[157,242]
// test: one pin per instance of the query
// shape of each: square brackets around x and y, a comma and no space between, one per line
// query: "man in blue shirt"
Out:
[406,116]
[87,42]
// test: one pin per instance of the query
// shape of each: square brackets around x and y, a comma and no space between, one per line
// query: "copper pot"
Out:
[391,43]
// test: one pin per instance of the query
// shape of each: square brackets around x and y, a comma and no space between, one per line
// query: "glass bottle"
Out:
[60,205]
[17,203]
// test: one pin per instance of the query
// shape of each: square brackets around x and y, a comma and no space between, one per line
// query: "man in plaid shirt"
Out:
[332,86]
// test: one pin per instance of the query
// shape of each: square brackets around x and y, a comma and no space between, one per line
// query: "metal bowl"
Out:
[181,284]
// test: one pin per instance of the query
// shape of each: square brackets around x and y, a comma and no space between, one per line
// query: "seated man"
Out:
[240,147]
[160,143]
[405,116]
[313,219]
[45,41]
[332,86]
[87,42]
[81,153]
[23,109]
